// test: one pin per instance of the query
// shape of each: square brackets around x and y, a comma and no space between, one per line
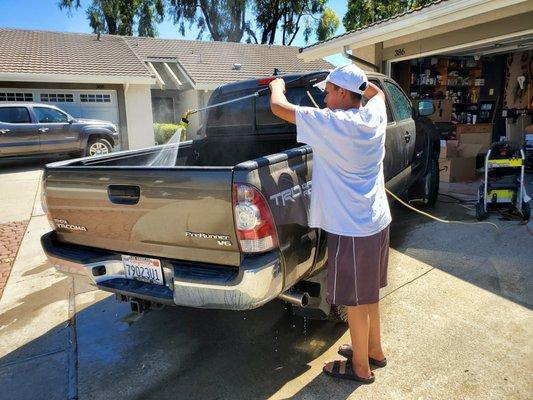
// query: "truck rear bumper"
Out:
[258,280]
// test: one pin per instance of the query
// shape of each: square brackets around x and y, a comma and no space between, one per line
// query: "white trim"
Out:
[464,45]
[172,74]
[185,74]
[439,14]
[67,78]
[160,81]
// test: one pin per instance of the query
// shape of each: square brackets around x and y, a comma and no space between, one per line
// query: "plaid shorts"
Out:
[357,268]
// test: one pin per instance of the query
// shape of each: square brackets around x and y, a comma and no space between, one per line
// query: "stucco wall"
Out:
[138,105]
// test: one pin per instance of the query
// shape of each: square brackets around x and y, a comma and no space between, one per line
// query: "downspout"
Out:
[359,60]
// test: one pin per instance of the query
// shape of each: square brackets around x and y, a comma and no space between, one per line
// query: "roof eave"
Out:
[70,78]
[444,13]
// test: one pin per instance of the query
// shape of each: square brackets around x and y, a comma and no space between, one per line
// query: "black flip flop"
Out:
[346,351]
[349,373]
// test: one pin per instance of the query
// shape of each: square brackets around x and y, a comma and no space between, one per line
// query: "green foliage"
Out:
[286,17]
[364,12]
[328,24]
[163,132]
[120,17]
[223,20]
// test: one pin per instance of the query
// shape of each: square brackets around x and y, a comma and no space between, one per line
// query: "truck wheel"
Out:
[432,179]
[98,146]
[338,314]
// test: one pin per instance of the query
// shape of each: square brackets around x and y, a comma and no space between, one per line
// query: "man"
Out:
[348,201]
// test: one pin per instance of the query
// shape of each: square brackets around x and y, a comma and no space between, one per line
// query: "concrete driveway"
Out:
[457,322]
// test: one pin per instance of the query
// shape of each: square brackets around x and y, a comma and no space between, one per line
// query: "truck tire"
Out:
[338,314]
[98,146]
[433,179]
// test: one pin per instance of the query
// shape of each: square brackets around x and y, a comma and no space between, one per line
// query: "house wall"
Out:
[184,100]
[138,107]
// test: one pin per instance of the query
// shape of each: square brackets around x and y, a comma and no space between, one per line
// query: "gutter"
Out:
[359,60]
[68,78]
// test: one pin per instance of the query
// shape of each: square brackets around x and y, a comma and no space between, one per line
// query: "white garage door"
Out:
[93,104]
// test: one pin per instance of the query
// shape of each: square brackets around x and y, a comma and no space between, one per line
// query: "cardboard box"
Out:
[462,167]
[473,128]
[448,149]
[484,140]
[458,169]
[480,134]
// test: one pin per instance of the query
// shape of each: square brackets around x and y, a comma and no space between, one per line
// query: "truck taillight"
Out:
[253,220]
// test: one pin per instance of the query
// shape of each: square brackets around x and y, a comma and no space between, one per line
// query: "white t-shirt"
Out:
[348,195]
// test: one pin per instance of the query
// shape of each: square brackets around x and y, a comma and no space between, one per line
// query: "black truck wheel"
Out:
[97,146]
[338,314]
[433,179]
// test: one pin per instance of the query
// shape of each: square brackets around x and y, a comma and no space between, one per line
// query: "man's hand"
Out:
[277,84]
[279,105]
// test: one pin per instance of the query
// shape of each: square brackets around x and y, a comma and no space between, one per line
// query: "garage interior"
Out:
[481,94]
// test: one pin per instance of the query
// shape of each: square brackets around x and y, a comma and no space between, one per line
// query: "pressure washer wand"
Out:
[261,92]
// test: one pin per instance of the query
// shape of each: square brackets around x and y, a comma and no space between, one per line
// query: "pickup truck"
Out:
[34,128]
[226,226]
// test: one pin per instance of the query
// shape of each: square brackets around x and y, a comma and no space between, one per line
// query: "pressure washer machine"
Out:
[503,186]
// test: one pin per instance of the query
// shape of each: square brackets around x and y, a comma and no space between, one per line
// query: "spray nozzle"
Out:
[185,116]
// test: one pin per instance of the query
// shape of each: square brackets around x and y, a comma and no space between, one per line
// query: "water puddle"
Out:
[168,153]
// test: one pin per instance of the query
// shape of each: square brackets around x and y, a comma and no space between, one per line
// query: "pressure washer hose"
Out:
[185,122]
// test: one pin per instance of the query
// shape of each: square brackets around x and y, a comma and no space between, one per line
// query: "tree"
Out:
[224,19]
[119,17]
[287,15]
[364,12]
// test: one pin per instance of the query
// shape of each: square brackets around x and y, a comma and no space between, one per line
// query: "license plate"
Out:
[143,269]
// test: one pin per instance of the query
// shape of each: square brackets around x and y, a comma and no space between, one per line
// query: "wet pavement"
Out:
[457,323]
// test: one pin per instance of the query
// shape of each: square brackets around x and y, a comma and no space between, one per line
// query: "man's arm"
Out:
[279,104]
[373,90]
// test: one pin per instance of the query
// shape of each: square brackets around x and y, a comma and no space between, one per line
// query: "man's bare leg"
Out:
[359,324]
[374,337]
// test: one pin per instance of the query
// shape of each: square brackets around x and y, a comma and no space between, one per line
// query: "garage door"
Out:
[93,104]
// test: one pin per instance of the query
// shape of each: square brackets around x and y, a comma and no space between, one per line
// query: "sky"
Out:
[46,15]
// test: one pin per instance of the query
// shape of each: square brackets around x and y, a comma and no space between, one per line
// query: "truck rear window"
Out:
[251,115]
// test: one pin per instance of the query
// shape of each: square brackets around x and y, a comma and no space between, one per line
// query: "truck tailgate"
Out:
[182,213]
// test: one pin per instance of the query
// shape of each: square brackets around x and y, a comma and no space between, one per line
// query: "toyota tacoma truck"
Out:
[226,226]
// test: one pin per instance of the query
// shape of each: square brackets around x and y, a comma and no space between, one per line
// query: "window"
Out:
[399,101]
[49,115]
[10,96]
[15,115]
[390,118]
[233,118]
[57,97]
[296,95]
[95,98]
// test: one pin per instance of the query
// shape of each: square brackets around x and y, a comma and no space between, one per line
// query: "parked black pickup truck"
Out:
[33,128]
[227,226]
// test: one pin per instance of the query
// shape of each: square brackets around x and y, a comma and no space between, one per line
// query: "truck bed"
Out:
[116,202]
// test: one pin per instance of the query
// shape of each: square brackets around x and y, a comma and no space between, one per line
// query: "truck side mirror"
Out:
[425,108]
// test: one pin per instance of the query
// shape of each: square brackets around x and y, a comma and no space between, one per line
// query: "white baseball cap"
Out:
[349,77]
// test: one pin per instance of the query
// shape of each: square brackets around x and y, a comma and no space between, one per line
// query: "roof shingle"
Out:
[40,52]
[208,62]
